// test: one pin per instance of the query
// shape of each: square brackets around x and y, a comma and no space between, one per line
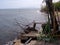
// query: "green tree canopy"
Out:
[56,5]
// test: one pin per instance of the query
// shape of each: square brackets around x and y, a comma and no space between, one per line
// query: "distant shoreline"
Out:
[20,8]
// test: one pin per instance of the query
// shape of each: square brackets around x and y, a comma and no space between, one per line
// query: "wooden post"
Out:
[34,25]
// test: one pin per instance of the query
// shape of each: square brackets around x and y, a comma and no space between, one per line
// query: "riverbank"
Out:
[32,42]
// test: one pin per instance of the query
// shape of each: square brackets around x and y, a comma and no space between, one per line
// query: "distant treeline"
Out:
[56,5]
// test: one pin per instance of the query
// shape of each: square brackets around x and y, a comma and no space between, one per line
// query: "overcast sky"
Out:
[20,3]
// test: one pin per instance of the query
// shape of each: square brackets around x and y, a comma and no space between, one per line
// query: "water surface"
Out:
[9,17]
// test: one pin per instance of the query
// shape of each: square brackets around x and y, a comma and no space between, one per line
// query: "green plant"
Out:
[47,36]
[56,5]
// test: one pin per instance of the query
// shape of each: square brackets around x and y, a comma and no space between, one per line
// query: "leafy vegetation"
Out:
[46,35]
[56,5]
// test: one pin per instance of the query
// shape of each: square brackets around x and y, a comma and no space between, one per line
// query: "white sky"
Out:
[20,3]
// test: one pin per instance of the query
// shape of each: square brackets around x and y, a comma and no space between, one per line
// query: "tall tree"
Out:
[50,8]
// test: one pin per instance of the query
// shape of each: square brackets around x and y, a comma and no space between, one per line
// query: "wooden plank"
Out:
[27,41]
[31,35]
